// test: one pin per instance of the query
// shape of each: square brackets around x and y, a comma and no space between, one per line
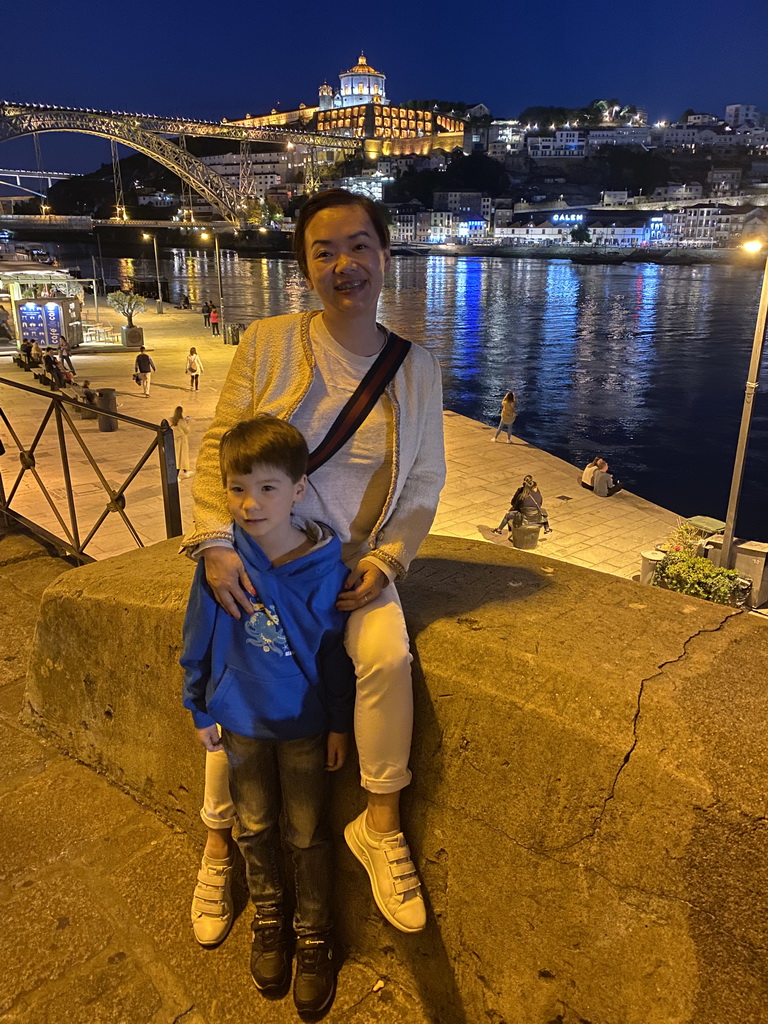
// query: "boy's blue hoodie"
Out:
[283,673]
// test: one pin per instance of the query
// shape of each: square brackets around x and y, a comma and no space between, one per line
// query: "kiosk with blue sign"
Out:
[45,320]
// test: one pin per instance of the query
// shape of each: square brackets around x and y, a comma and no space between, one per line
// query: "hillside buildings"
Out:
[359,108]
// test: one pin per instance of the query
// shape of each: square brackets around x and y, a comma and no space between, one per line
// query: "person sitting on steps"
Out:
[602,482]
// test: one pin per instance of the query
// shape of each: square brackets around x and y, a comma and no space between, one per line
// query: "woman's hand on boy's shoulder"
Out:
[228,580]
[336,750]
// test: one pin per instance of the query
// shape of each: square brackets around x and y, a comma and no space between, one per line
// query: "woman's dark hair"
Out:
[178,414]
[509,397]
[263,441]
[326,200]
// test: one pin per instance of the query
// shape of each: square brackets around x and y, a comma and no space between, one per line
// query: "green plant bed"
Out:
[698,577]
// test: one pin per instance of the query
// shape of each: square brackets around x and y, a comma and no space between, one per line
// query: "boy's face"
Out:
[261,501]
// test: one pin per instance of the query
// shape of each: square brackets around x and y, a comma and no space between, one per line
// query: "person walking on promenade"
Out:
[282,729]
[180,426]
[528,502]
[206,311]
[194,368]
[602,482]
[145,368]
[588,475]
[65,355]
[376,481]
[508,416]
[214,321]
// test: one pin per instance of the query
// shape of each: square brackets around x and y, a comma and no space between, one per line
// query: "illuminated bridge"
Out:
[152,136]
[43,179]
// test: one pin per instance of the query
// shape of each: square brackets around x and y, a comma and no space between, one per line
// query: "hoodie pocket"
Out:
[250,704]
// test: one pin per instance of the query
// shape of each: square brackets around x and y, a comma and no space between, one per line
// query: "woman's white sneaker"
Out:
[212,901]
[394,880]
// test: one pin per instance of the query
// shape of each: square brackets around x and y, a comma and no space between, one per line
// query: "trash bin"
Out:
[526,537]
[232,334]
[106,401]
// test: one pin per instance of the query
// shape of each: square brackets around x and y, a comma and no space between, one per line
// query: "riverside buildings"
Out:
[396,138]
[702,224]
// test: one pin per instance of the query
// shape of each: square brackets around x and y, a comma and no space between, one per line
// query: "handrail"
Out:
[69,541]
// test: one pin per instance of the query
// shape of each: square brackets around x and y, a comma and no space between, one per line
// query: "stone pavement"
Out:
[604,534]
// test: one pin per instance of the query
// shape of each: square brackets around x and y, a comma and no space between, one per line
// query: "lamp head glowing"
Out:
[753,245]
[204,235]
[145,236]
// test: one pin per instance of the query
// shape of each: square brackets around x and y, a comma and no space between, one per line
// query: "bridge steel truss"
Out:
[147,134]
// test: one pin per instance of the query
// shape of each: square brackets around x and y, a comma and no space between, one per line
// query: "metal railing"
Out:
[60,408]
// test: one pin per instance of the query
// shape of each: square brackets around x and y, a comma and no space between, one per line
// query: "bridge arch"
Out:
[130,132]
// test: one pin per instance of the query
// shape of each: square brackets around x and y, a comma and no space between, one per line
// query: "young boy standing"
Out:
[276,691]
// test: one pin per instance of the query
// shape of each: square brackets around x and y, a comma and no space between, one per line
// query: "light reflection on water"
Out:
[643,364]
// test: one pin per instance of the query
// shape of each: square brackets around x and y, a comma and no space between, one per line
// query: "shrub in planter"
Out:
[698,577]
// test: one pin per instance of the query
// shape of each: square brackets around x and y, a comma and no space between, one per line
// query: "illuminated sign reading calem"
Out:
[569,217]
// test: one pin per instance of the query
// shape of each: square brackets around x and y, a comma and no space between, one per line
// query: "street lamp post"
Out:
[157,272]
[218,279]
[746,414]
[217,254]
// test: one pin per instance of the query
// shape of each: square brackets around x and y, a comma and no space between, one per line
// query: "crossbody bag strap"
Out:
[366,395]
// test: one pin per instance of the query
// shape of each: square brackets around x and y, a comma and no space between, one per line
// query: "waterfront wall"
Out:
[588,805]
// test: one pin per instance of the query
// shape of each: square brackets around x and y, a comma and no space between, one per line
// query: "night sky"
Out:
[227,59]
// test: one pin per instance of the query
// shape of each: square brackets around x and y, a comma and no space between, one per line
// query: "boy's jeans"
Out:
[260,773]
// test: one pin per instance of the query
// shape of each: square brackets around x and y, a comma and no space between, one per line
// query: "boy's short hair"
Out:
[267,441]
[326,200]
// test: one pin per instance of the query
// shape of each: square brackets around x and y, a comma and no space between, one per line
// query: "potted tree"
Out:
[128,303]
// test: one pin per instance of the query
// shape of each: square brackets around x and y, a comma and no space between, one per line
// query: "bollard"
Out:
[106,401]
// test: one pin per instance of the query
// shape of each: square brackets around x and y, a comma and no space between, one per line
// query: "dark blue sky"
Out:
[226,59]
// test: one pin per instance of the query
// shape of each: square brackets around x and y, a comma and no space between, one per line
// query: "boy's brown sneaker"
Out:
[315,980]
[270,953]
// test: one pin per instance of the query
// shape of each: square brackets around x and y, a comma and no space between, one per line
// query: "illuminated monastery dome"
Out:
[362,68]
[360,85]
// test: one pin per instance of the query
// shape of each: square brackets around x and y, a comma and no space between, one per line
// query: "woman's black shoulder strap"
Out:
[366,395]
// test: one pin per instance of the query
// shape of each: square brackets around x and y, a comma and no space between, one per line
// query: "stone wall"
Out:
[589,800]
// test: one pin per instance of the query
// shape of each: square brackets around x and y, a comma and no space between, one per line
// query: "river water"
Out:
[643,364]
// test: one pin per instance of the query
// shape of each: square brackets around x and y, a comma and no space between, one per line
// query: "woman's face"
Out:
[345,260]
